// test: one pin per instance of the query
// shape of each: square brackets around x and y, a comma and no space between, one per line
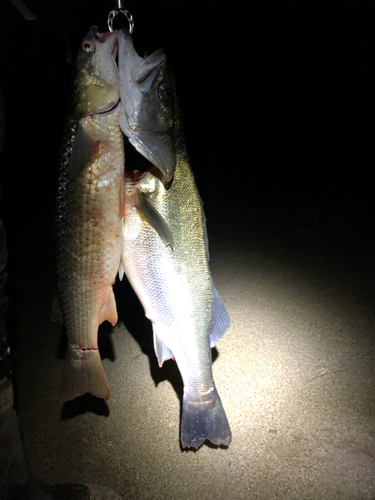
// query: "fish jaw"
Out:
[97,87]
[147,100]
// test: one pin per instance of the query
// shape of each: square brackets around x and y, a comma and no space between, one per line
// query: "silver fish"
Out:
[165,252]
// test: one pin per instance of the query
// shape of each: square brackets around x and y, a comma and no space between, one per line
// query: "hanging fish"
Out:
[90,214]
[165,252]
[147,116]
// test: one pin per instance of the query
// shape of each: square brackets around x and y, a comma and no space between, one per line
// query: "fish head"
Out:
[97,88]
[148,105]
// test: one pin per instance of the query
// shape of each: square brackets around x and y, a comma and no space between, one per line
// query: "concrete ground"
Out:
[295,371]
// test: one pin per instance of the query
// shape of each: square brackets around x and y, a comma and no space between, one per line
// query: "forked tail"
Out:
[203,420]
[83,372]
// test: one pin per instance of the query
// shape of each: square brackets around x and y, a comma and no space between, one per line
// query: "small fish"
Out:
[165,251]
[90,207]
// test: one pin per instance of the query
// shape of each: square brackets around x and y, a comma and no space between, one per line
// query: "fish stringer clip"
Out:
[126,13]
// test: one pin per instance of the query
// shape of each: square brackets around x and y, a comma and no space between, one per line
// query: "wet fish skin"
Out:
[177,293]
[90,205]
[175,287]
[148,117]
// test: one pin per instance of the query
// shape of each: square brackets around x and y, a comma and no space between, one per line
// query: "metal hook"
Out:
[126,13]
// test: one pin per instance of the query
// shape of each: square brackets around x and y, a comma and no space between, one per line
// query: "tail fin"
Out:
[203,420]
[83,372]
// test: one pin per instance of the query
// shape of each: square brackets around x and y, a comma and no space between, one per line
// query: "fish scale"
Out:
[90,241]
[176,291]
[90,215]
[165,251]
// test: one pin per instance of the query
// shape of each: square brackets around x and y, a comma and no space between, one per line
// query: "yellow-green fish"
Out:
[165,251]
[90,209]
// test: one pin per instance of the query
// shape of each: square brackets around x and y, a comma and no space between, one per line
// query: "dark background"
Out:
[276,98]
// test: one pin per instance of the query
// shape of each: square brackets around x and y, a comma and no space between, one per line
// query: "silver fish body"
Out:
[169,271]
[90,205]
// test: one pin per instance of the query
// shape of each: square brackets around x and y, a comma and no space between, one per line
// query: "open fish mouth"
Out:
[138,167]
[133,178]
[148,112]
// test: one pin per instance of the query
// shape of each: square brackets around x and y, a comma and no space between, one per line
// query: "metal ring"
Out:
[126,13]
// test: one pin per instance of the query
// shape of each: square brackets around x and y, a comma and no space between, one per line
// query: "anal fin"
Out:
[109,311]
[161,350]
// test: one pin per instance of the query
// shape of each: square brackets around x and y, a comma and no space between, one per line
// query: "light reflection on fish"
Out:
[165,250]
[90,214]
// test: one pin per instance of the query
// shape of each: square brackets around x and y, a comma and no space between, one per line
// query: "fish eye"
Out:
[87,46]
[165,92]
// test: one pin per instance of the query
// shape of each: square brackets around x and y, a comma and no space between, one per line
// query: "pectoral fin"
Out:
[150,215]
[85,151]
[109,311]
